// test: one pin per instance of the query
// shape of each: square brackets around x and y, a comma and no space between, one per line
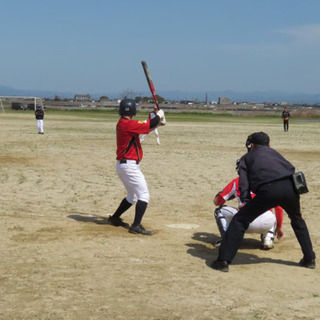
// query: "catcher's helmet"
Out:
[260,138]
[127,107]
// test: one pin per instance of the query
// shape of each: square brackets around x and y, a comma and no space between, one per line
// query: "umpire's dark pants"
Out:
[277,193]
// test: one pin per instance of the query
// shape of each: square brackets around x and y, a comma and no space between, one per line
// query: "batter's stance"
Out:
[129,155]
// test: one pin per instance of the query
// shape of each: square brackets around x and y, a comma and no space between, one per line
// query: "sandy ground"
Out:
[59,260]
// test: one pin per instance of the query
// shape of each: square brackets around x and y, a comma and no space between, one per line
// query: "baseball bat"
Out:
[150,83]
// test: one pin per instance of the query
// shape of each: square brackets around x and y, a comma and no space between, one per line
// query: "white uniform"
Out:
[40,125]
[264,224]
[134,181]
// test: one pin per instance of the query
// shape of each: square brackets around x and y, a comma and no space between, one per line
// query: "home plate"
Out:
[183,226]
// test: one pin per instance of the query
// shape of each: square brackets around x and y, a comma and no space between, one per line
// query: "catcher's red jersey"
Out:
[128,143]
[232,190]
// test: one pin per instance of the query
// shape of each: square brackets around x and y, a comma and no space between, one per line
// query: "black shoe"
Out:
[117,222]
[220,265]
[308,264]
[217,244]
[139,229]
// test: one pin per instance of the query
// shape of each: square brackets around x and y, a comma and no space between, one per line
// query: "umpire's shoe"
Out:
[139,230]
[117,222]
[308,264]
[217,244]
[220,265]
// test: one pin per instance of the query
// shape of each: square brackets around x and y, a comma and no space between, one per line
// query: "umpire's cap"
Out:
[259,138]
[127,107]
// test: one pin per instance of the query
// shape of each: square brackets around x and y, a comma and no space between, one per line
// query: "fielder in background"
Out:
[285,116]
[267,225]
[39,113]
[270,176]
[129,156]
[151,116]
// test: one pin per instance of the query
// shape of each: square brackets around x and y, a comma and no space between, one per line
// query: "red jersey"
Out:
[232,191]
[128,142]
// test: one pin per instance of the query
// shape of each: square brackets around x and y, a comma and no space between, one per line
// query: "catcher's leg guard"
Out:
[221,221]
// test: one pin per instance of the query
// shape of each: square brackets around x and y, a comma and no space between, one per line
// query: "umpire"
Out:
[269,175]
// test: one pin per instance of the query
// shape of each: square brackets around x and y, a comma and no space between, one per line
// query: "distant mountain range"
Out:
[255,96]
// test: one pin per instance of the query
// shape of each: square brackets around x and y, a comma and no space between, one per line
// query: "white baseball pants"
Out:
[40,125]
[264,224]
[134,181]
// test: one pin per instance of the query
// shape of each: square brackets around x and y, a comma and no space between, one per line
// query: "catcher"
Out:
[267,225]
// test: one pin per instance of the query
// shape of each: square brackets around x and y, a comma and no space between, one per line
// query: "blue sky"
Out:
[96,46]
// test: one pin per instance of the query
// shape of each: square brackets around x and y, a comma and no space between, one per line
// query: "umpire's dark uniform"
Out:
[268,174]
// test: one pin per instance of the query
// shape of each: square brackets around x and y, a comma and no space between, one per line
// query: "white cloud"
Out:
[290,41]
[307,34]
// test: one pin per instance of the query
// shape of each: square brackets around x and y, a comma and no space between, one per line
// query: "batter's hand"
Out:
[163,121]
[160,113]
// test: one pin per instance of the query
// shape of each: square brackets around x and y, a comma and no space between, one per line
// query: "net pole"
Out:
[2,106]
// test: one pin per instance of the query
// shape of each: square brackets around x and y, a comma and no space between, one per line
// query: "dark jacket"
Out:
[285,115]
[260,166]
[39,114]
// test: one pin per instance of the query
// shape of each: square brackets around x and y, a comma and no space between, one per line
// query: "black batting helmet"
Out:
[260,138]
[127,107]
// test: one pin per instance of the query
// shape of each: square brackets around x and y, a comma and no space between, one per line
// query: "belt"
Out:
[125,161]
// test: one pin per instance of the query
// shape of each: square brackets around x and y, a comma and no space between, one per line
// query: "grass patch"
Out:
[111,115]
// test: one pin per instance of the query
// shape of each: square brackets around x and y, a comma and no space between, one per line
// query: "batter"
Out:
[129,156]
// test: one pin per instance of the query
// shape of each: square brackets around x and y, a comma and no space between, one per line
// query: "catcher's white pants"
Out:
[40,125]
[265,224]
[134,181]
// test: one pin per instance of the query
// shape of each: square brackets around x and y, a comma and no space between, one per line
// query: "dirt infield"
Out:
[61,261]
